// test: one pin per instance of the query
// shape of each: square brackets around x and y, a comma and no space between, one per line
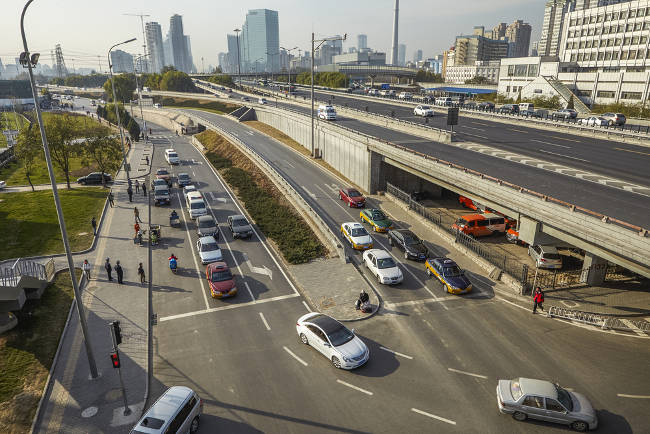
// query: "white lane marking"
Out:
[466,373]
[249,291]
[196,264]
[473,128]
[480,123]
[193,173]
[562,155]
[634,328]
[332,187]
[294,356]
[308,192]
[266,324]
[396,353]
[569,303]
[352,386]
[250,133]
[549,143]
[235,134]
[476,135]
[623,395]
[414,302]
[258,270]
[227,307]
[289,164]
[564,138]
[519,131]
[306,306]
[433,416]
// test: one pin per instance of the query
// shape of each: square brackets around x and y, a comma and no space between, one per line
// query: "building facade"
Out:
[178,43]
[472,48]
[121,61]
[260,39]
[552,26]
[362,42]
[461,74]
[365,58]
[518,34]
[155,45]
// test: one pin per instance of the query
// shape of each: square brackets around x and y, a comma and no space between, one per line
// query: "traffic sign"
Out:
[452,116]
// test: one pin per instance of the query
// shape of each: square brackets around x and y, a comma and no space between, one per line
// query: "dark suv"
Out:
[94,178]
[509,109]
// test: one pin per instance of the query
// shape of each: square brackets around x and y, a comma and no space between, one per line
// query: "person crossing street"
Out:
[109,268]
[538,299]
[120,272]
[141,274]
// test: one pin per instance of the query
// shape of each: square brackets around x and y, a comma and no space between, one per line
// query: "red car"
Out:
[352,197]
[221,280]
[467,203]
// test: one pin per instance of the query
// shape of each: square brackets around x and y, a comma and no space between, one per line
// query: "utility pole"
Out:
[144,121]
[289,66]
[144,38]
[238,57]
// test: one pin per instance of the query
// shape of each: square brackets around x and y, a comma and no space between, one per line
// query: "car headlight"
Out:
[346,359]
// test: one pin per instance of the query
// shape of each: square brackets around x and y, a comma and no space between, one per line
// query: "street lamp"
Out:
[321,42]
[289,66]
[117,112]
[256,69]
[144,121]
[238,57]
[29,61]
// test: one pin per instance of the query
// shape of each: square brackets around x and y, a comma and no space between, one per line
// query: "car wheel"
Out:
[195,425]
[518,415]
[429,273]
[390,241]
[579,425]
[406,255]
[336,362]
[304,339]
[378,278]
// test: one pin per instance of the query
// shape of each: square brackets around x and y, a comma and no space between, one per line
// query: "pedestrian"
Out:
[136,213]
[129,191]
[137,186]
[141,273]
[136,226]
[538,299]
[111,199]
[93,222]
[120,272]
[144,189]
[108,268]
[146,157]
[85,267]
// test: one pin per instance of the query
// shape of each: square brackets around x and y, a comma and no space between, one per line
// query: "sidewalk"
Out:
[74,403]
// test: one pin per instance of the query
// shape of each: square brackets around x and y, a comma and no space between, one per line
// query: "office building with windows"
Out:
[121,61]
[260,41]
[153,33]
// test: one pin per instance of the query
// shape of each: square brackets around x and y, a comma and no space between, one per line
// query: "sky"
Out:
[86,29]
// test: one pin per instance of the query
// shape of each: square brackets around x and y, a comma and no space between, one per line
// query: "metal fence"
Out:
[564,279]
[603,321]
[11,275]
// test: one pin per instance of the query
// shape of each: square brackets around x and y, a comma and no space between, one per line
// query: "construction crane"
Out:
[144,37]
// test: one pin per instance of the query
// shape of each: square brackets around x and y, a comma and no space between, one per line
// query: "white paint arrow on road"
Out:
[258,270]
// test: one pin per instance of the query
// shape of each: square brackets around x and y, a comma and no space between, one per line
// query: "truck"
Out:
[326,112]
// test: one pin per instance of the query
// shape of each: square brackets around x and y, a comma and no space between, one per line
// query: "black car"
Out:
[485,105]
[409,243]
[94,178]
[509,109]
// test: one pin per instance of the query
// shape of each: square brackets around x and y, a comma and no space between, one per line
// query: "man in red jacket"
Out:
[538,299]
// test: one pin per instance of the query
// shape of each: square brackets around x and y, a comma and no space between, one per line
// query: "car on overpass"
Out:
[221,281]
[449,274]
[381,264]
[352,197]
[377,219]
[357,236]
[423,110]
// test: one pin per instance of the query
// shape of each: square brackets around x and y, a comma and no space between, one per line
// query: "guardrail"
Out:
[286,186]
[604,322]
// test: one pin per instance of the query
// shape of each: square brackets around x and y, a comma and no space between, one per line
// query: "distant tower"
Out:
[61,70]
[393,59]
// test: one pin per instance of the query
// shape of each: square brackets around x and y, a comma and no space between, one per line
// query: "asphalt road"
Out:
[254,375]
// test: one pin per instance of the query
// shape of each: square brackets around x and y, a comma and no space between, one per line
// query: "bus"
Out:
[285,88]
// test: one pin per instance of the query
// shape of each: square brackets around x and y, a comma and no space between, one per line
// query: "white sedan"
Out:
[262,101]
[332,339]
[423,110]
[209,250]
[382,265]
[594,121]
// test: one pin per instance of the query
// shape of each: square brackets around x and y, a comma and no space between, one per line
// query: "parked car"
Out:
[405,95]
[177,410]
[376,219]
[163,173]
[352,197]
[382,265]
[183,179]
[512,235]
[220,279]
[409,243]
[594,121]
[3,184]
[449,274]
[245,98]
[208,250]
[206,226]
[239,226]
[423,110]
[333,340]
[614,118]
[357,236]
[540,113]
[539,399]
[262,101]
[545,256]
[565,114]
[471,105]
[485,105]
[94,178]
[374,92]
[509,109]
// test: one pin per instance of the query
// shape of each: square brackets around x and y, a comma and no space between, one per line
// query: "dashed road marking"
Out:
[308,192]
[196,264]
[565,156]
[295,357]
[623,395]
[396,353]
[352,386]
[433,416]
[630,150]
[519,131]
[306,306]
[250,292]
[564,138]
[413,302]
[549,143]
[266,324]
[466,373]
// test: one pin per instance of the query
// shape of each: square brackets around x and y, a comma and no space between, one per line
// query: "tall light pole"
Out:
[313,49]
[289,65]
[256,69]
[117,112]
[238,57]
[29,61]
[272,54]
[144,121]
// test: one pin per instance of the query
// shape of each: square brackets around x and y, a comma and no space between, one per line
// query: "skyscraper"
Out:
[518,33]
[155,45]
[191,67]
[179,44]
[549,43]
[499,31]
[401,54]
[260,39]
[417,56]
[121,61]
[233,55]
[362,42]
[168,51]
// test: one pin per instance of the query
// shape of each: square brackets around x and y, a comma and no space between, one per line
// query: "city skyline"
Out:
[209,26]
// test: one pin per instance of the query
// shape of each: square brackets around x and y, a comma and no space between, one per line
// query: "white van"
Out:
[326,112]
[195,205]
[443,101]
[526,106]
[405,95]
[172,156]
[178,410]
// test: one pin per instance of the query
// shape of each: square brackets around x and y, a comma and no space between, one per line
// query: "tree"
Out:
[177,81]
[570,104]
[478,80]
[60,133]
[102,149]
[152,81]
[27,149]
[124,87]
[223,80]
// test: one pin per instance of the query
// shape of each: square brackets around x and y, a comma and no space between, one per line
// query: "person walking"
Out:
[136,213]
[111,199]
[85,267]
[136,227]
[538,299]
[129,191]
[137,186]
[144,189]
[141,274]
[120,272]
[146,157]
[93,222]
[109,268]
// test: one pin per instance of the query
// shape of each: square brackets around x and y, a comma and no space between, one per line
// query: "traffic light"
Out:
[117,331]
[115,359]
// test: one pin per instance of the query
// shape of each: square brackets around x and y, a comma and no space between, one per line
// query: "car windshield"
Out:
[565,398]
[452,271]
[173,155]
[553,256]
[183,176]
[162,192]
[340,336]
[209,247]
[385,263]
[425,107]
[220,276]
[160,182]
[358,232]
[162,172]
[197,205]
[515,390]
[207,223]
[461,222]
[240,222]
[354,193]
[378,215]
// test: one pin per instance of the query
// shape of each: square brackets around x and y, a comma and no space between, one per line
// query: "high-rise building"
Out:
[121,61]
[179,43]
[587,4]
[417,56]
[222,61]
[518,34]
[191,67]
[168,51]
[155,45]
[552,27]
[499,31]
[476,47]
[233,55]
[533,49]
[362,42]
[401,54]
[260,39]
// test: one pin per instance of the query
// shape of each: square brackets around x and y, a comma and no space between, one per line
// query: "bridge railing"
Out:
[603,321]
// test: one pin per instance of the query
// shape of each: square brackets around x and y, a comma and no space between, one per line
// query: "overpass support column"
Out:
[376,182]
[593,270]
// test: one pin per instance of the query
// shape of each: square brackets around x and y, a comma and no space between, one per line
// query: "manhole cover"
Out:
[89,412]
